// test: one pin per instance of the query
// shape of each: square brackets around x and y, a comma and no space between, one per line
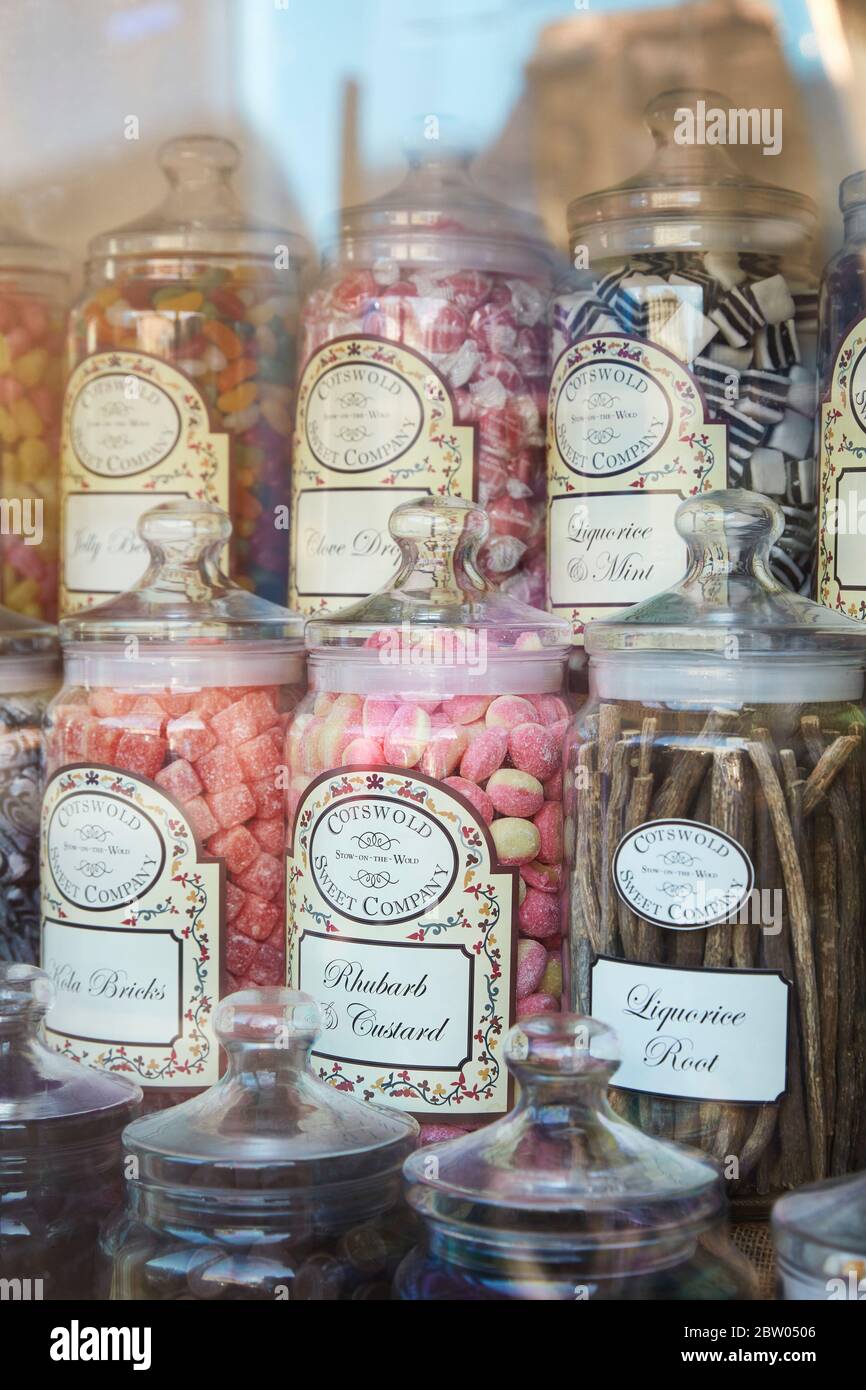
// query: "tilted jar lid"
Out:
[819,1231]
[690,181]
[562,1171]
[728,628]
[29,653]
[18,251]
[200,213]
[41,1092]
[439,214]
[269,1128]
[438,624]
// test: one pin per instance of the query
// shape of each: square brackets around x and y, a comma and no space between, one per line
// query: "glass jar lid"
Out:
[29,653]
[269,1128]
[562,1171]
[18,251]
[439,214]
[438,624]
[184,611]
[40,1089]
[819,1232]
[692,178]
[728,627]
[200,213]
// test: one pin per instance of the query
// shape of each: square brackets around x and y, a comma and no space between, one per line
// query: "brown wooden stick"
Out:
[801,935]
[827,952]
[830,763]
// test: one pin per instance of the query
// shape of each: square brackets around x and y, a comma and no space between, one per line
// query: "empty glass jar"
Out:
[562,1200]
[820,1239]
[60,1156]
[271,1186]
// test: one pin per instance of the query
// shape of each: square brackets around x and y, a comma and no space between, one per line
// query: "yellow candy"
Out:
[241,398]
[106,296]
[27,418]
[29,369]
[9,430]
[34,458]
[179,303]
[27,591]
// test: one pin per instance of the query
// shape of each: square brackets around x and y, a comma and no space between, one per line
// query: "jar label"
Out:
[135,432]
[627,440]
[714,1035]
[403,926]
[375,426]
[131,929]
[842,473]
[682,874]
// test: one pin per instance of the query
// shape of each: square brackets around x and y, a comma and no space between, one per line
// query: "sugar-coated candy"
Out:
[140,753]
[540,914]
[264,876]
[515,793]
[474,794]
[406,736]
[257,918]
[202,819]
[517,840]
[219,769]
[538,1004]
[531,965]
[548,823]
[179,779]
[236,846]
[547,878]
[535,749]
[232,806]
[484,755]
[363,750]
[551,980]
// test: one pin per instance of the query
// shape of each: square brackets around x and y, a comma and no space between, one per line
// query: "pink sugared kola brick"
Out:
[220,769]
[270,833]
[232,807]
[235,724]
[190,737]
[179,779]
[202,819]
[236,846]
[142,754]
[260,757]
[257,918]
[264,877]
[100,741]
[269,799]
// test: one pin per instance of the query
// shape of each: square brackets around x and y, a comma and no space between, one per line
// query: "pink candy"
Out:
[507,711]
[539,914]
[484,755]
[515,793]
[531,965]
[533,748]
[474,795]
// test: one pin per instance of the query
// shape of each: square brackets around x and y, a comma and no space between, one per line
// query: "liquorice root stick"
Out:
[801,937]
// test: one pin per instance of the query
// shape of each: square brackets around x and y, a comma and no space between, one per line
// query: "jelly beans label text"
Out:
[682,874]
[627,440]
[375,427]
[134,431]
[716,1035]
[402,926]
[131,928]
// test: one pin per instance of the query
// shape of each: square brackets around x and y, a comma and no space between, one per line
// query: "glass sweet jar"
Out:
[34,288]
[819,1234]
[842,426]
[424,868]
[563,1200]
[163,821]
[271,1186]
[423,372]
[714,837]
[60,1155]
[29,677]
[181,367]
[684,352]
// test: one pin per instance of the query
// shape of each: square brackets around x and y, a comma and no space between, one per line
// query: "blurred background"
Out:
[320,95]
